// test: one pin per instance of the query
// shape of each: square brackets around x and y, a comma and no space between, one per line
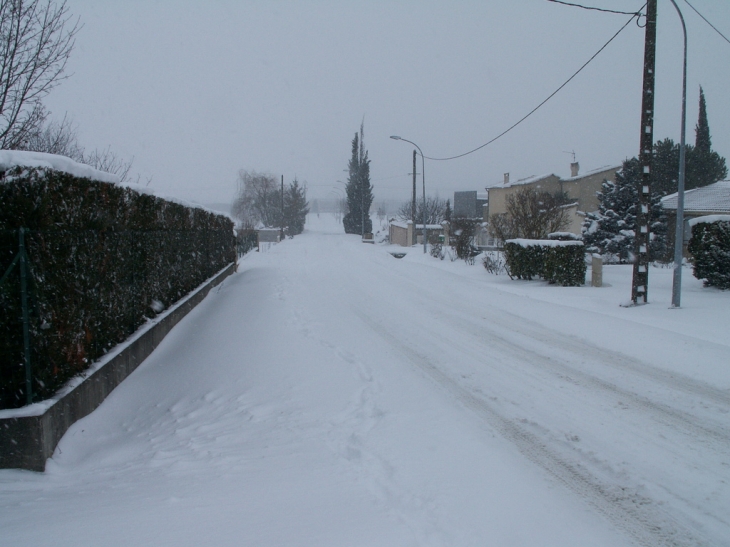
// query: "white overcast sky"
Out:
[196,90]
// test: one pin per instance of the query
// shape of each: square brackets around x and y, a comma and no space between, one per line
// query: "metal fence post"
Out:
[26,317]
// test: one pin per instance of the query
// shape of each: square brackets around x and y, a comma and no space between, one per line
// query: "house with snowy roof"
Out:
[713,199]
[581,189]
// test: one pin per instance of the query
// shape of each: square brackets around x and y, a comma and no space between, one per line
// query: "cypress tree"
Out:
[703,143]
[359,190]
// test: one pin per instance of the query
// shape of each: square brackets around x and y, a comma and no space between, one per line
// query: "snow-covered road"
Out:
[330,394]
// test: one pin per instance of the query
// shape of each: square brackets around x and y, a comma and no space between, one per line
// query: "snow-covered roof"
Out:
[593,172]
[399,224]
[14,158]
[528,180]
[714,198]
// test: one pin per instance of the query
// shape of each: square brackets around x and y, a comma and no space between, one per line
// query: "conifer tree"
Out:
[701,168]
[611,230]
[359,190]
[703,143]
[295,208]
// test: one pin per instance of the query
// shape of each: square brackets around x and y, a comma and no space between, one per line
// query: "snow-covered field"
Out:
[330,394]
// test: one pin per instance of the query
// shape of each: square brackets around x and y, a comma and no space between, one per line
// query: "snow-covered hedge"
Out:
[561,262]
[103,259]
[710,250]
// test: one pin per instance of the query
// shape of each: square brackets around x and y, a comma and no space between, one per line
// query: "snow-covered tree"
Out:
[610,231]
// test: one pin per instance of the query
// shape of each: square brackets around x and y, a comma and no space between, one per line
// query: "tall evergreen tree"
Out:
[359,190]
[703,143]
[295,208]
[611,230]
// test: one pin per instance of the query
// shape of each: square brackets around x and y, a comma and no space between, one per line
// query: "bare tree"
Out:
[106,160]
[435,210]
[530,214]
[36,40]
[61,138]
[56,138]
[258,199]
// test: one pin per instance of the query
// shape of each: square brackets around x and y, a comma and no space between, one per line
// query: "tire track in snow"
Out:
[716,438]
[637,517]
[621,361]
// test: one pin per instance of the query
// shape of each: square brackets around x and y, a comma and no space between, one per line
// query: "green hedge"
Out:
[561,262]
[710,250]
[103,259]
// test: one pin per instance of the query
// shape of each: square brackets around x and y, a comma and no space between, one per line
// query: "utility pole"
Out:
[281,222]
[640,280]
[413,205]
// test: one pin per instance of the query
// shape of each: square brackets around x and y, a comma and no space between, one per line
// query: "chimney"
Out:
[506,179]
[574,169]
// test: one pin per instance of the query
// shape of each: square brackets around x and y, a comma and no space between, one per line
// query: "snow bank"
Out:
[15,158]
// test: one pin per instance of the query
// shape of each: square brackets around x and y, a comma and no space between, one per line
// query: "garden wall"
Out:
[28,436]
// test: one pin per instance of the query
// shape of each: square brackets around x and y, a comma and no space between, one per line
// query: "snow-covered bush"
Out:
[103,258]
[710,250]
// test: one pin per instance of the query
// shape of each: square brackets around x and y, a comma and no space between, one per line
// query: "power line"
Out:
[503,133]
[706,21]
[638,13]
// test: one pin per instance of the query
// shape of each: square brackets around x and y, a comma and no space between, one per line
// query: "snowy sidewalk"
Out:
[331,395]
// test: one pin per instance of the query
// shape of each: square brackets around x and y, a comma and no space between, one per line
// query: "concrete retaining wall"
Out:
[26,442]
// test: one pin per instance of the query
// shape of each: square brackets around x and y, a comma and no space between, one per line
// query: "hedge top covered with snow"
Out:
[543,242]
[20,158]
[708,219]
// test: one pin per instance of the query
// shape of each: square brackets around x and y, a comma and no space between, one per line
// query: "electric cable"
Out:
[595,9]
[503,133]
[706,21]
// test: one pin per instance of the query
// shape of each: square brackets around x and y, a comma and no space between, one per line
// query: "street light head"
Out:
[395,137]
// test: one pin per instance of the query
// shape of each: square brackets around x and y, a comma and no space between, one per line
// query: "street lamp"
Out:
[423,174]
[679,228]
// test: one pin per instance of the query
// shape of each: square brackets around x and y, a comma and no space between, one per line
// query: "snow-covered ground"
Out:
[330,394]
